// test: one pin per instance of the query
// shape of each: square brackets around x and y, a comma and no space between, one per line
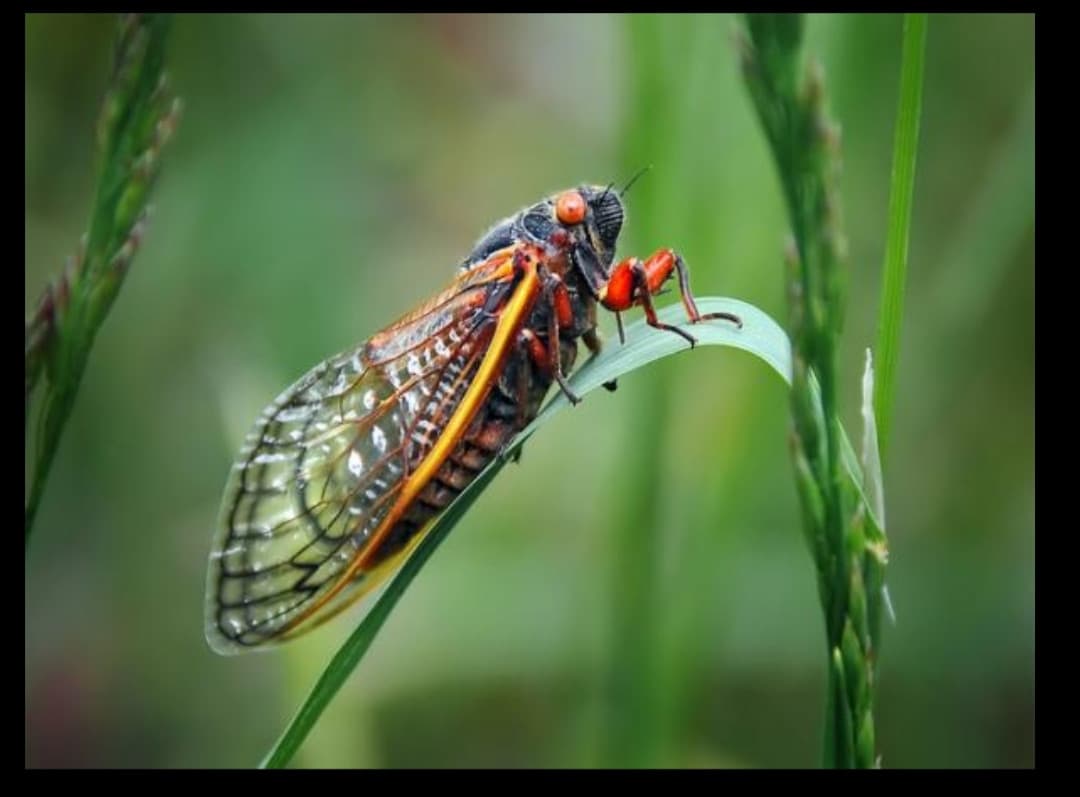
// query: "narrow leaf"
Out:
[760,335]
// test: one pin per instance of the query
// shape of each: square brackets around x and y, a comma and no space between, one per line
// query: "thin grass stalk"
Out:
[843,531]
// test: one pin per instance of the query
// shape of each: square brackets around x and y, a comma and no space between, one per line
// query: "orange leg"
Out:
[547,357]
[634,283]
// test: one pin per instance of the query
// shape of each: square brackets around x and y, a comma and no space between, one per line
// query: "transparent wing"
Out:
[322,467]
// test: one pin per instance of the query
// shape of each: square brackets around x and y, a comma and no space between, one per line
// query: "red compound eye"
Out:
[570,208]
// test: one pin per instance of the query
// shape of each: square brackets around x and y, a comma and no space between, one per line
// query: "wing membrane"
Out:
[323,466]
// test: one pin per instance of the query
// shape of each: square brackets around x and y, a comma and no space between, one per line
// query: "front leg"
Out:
[635,283]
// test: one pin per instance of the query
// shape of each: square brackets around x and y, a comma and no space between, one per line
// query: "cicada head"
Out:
[582,223]
[589,219]
[591,216]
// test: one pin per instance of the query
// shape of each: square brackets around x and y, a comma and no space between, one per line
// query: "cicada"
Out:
[343,474]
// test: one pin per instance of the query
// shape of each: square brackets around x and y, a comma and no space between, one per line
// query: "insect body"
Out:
[341,476]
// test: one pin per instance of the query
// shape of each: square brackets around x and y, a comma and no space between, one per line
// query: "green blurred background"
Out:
[328,174]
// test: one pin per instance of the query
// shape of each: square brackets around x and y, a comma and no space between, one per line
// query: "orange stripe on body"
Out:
[511,319]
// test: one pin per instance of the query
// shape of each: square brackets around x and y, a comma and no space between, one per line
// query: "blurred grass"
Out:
[137,118]
[672,125]
[633,728]
[330,172]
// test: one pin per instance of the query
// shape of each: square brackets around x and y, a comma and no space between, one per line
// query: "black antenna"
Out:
[609,185]
[634,179]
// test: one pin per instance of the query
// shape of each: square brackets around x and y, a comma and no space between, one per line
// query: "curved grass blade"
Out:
[760,335]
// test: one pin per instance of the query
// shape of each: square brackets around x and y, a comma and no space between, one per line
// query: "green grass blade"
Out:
[760,335]
[896,248]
